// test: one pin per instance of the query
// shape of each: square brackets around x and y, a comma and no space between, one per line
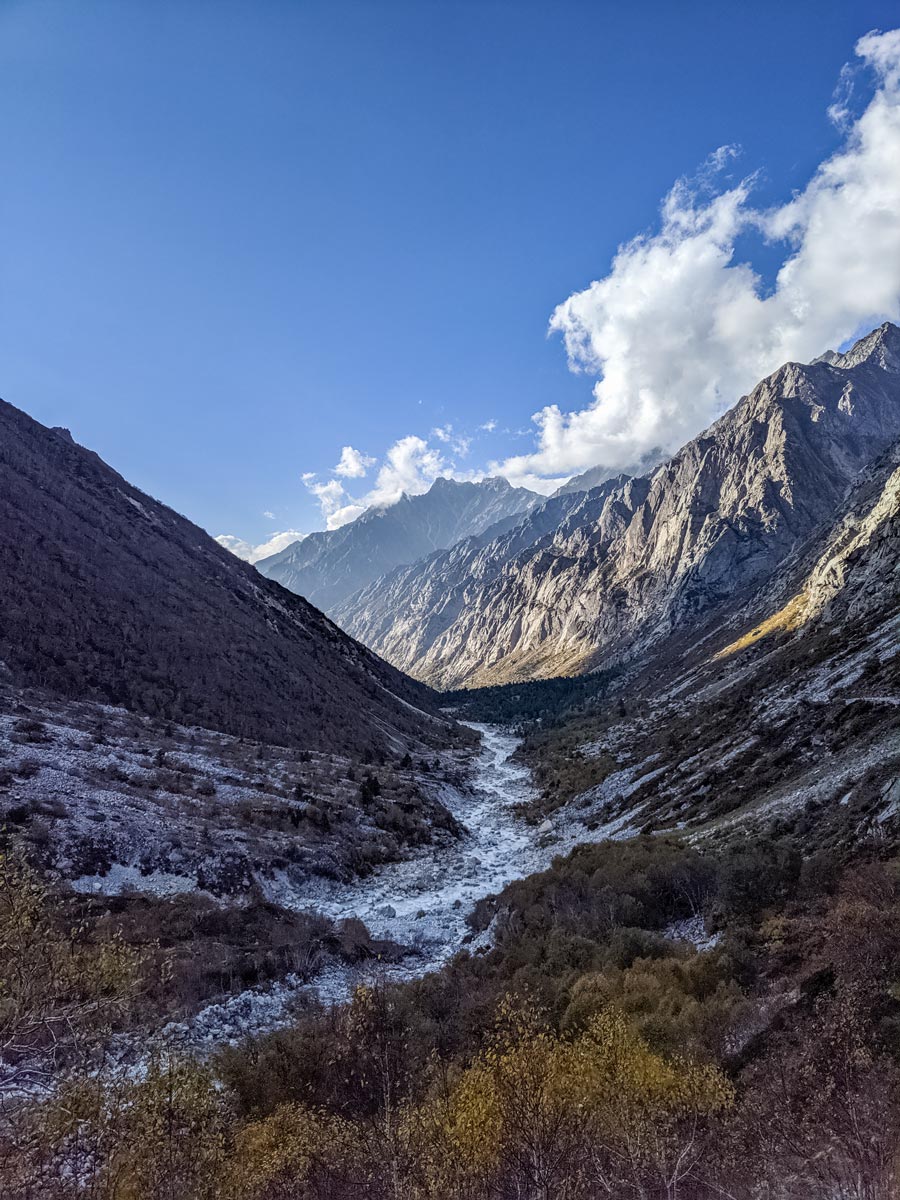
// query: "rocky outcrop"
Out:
[329,566]
[862,559]
[640,559]
[846,572]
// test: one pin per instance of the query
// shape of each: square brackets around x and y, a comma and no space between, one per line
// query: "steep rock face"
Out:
[846,571]
[660,552]
[328,567]
[107,595]
[404,613]
[779,711]
[776,715]
[861,563]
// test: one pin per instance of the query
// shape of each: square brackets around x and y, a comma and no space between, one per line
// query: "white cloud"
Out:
[460,443]
[353,465]
[410,466]
[236,545]
[882,52]
[269,516]
[333,501]
[252,554]
[488,426]
[719,160]
[839,110]
[678,330]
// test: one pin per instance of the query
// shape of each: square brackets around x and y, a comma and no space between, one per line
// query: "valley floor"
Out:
[421,902]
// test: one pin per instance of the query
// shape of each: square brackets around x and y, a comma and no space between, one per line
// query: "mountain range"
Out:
[589,579]
[776,715]
[200,762]
[327,567]
[744,581]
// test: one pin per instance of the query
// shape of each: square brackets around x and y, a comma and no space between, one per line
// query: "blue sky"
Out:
[237,237]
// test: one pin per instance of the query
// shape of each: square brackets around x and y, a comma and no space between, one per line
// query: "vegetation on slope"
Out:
[539,701]
[587,1054]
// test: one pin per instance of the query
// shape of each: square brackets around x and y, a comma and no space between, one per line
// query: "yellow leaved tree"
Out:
[60,991]
[546,1117]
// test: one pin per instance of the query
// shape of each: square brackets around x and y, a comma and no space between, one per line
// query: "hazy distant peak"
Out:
[331,565]
[595,476]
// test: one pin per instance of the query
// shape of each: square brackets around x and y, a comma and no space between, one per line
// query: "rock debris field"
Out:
[421,902]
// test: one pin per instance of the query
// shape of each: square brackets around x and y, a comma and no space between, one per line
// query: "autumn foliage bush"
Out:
[610,1063]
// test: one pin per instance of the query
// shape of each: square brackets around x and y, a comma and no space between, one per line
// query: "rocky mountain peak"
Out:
[329,566]
[445,485]
[880,348]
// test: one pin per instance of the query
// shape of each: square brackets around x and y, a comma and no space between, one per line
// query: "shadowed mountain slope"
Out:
[108,595]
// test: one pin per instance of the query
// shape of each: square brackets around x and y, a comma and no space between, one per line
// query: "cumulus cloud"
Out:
[253,554]
[678,329]
[411,465]
[353,465]
[336,506]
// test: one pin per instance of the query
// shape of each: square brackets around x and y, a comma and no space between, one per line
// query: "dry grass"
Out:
[792,616]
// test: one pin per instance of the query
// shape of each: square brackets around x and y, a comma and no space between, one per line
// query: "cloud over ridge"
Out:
[678,330]
[255,553]
[410,466]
